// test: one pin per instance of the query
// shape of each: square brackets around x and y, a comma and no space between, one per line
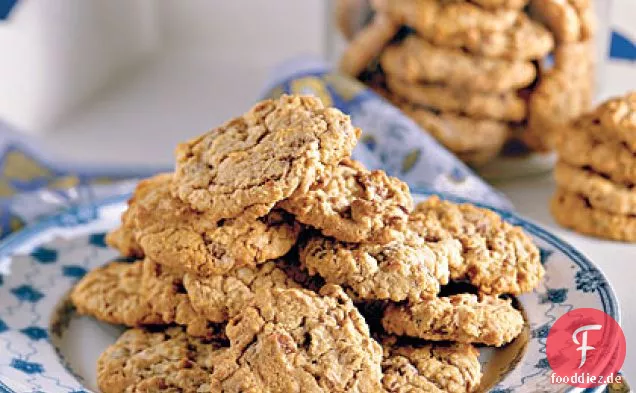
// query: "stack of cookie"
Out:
[465,71]
[256,264]
[597,172]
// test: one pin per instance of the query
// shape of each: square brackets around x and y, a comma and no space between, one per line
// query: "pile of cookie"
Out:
[596,173]
[473,73]
[270,261]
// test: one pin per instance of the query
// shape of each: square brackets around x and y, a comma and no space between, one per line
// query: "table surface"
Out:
[140,120]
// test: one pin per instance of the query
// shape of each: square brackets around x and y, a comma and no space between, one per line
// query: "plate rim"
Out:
[14,240]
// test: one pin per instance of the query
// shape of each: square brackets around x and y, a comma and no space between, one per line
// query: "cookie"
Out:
[497,257]
[563,93]
[497,4]
[526,39]
[434,368]
[506,106]
[468,138]
[218,298]
[123,238]
[616,118]
[434,17]
[575,212]
[248,164]
[296,340]
[354,204]
[395,271]
[600,192]
[581,146]
[162,361]
[460,318]
[417,60]
[569,20]
[172,233]
[367,45]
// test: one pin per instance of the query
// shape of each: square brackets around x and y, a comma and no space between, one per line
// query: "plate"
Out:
[46,347]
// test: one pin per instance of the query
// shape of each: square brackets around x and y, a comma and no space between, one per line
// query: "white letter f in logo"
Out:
[584,348]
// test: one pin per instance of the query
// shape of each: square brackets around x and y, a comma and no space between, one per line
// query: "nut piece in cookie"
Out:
[461,318]
[354,204]
[600,192]
[394,271]
[435,368]
[175,235]
[497,257]
[295,340]
[417,60]
[250,163]
[163,361]
[574,211]
[220,297]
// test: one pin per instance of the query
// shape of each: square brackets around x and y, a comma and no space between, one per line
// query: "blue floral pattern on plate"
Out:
[46,259]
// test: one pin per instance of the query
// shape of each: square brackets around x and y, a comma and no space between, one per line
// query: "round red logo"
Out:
[585,348]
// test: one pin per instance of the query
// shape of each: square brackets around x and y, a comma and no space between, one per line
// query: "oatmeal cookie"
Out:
[498,257]
[354,204]
[444,19]
[475,141]
[434,368]
[251,162]
[574,211]
[172,233]
[569,20]
[461,318]
[506,106]
[395,271]
[163,361]
[617,119]
[123,238]
[417,60]
[600,192]
[367,45]
[296,340]
[112,293]
[582,147]
[497,4]
[220,297]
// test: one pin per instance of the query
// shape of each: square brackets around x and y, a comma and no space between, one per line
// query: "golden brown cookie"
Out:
[569,20]
[112,293]
[475,141]
[296,340]
[616,118]
[461,318]
[175,235]
[446,19]
[367,45]
[575,212]
[220,297]
[354,204]
[506,106]
[123,237]
[497,257]
[248,164]
[433,368]
[581,146]
[417,60]
[161,361]
[600,192]
[139,294]
[563,93]
[496,4]
[395,271]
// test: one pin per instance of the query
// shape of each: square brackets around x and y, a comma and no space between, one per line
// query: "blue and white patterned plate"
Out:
[46,347]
